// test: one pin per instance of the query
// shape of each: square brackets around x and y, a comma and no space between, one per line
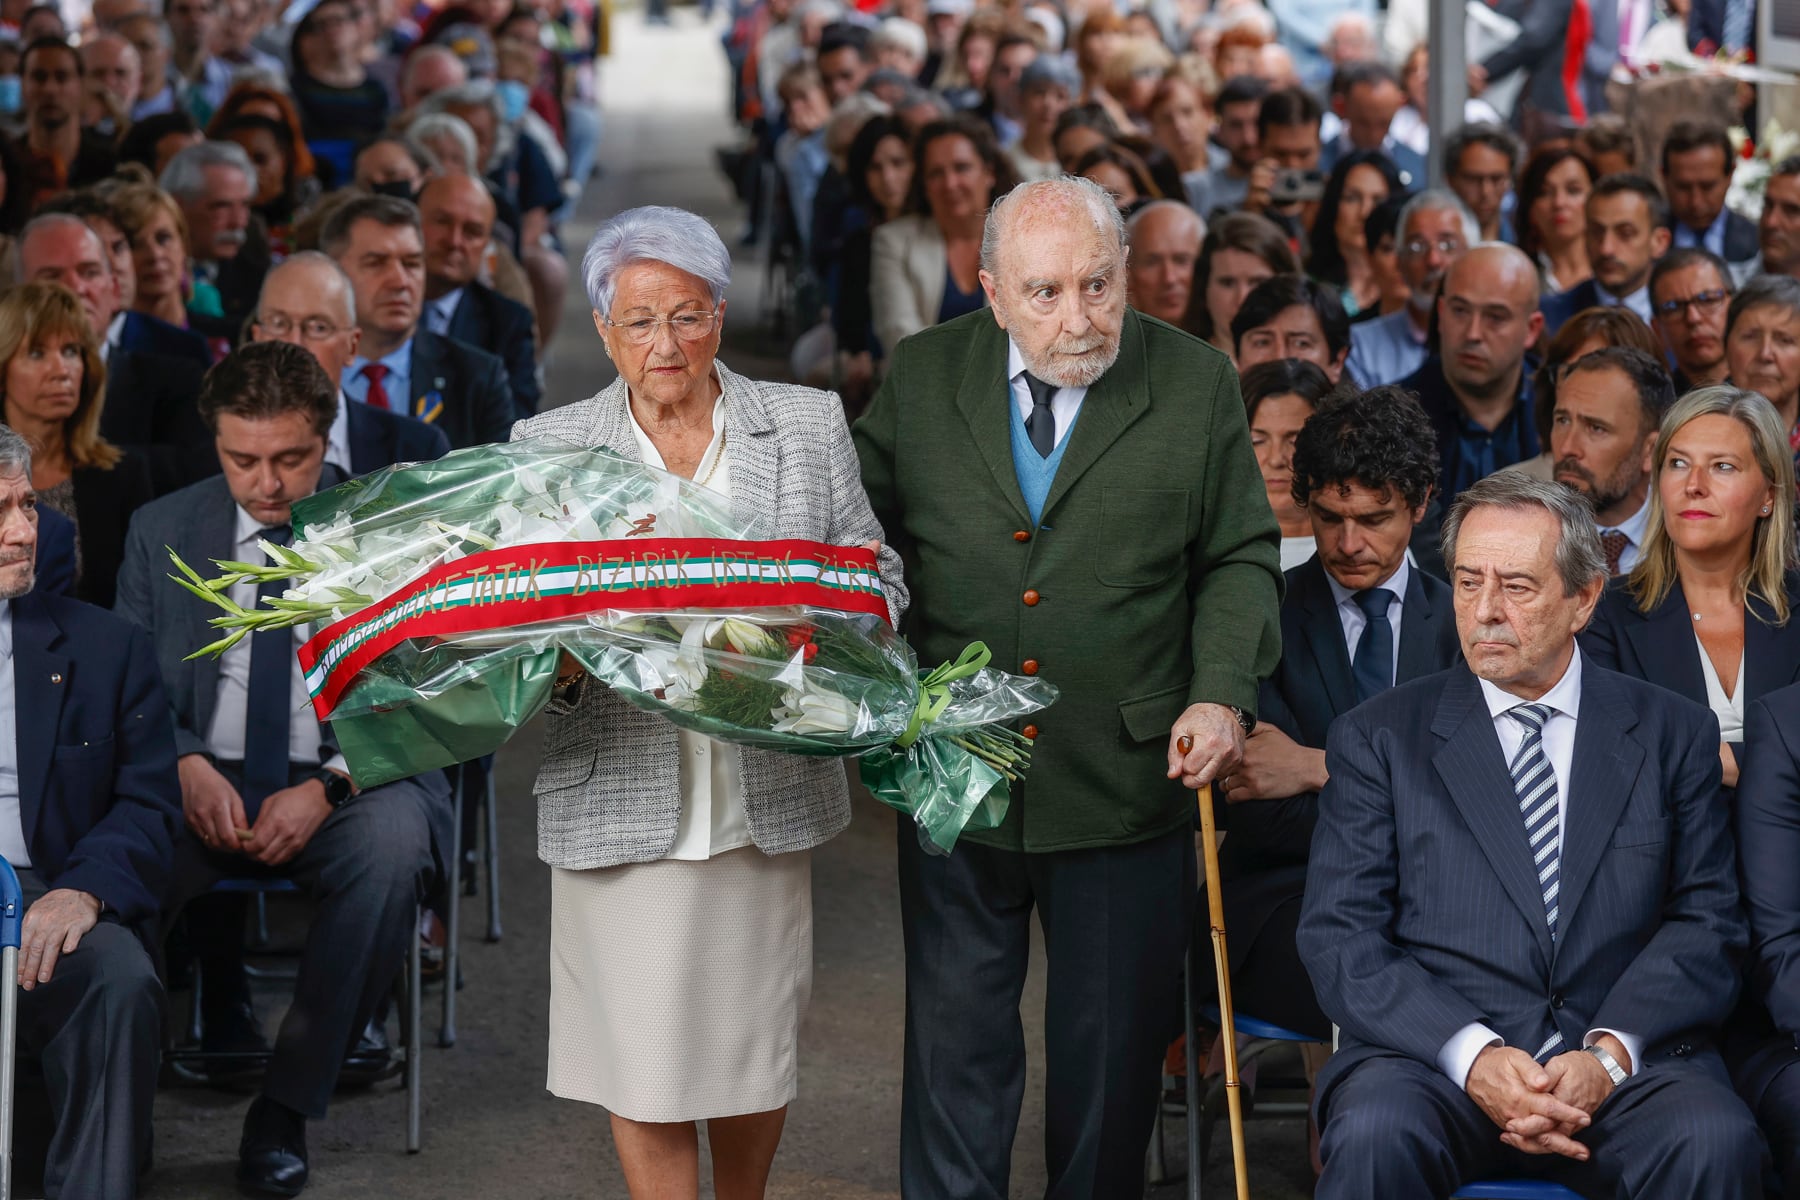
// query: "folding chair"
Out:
[12,921]
[1515,1189]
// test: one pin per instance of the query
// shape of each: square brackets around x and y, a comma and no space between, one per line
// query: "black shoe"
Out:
[371,1059]
[272,1155]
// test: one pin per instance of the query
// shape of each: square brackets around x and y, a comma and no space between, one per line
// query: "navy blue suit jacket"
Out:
[1423,912]
[1659,647]
[1559,308]
[379,438]
[98,793]
[461,390]
[1768,831]
[144,334]
[502,326]
[1263,860]
[1410,162]
[55,554]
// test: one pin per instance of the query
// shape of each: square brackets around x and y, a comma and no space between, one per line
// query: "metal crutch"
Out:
[12,920]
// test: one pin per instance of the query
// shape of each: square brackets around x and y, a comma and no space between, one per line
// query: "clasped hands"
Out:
[1543,1109]
[215,812]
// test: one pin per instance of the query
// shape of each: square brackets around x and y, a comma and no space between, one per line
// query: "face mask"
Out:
[11,88]
[513,96]
[398,188]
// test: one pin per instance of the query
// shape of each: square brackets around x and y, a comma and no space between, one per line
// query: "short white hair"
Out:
[185,176]
[672,236]
[1070,188]
[1438,200]
[435,125]
[898,33]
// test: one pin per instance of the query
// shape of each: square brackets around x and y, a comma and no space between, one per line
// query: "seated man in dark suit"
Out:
[458,218]
[1522,907]
[1767,1066]
[263,789]
[399,366]
[308,302]
[150,398]
[1357,618]
[89,805]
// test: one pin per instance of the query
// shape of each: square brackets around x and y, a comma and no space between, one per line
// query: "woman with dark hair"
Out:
[878,171]
[1079,130]
[281,190]
[1361,180]
[153,141]
[1240,250]
[925,266]
[255,99]
[1278,398]
[1122,173]
[1553,194]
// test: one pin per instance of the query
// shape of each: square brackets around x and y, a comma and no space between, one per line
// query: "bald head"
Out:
[308,301]
[429,70]
[458,217]
[1165,242]
[1487,319]
[113,63]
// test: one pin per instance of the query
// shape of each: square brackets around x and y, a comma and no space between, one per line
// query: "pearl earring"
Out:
[1765,510]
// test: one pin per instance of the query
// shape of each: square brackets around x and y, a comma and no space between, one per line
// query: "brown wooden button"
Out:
[1021,536]
[1030,597]
[1029,666]
[1030,731]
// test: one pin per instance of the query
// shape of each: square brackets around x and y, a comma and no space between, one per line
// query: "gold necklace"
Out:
[710,471]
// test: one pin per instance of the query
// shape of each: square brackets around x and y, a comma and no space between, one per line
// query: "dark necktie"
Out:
[377,395]
[1040,426]
[1614,543]
[1373,667]
[267,708]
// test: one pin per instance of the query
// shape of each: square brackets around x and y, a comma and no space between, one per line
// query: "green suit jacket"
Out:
[1152,582]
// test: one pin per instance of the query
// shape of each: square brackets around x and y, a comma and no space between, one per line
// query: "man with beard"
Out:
[1435,230]
[214,183]
[1609,408]
[1477,390]
[1239,104]
[56,152]
[1779,228]
[1165,241]
[1690,288]
[1073,485]
[1627,231]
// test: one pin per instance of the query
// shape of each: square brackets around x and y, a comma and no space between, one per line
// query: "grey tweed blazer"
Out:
[609,789]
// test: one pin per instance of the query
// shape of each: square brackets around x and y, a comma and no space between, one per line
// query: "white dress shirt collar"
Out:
[1635,528]
[1063,405]
[1353,620]
[1638,301]
[1563,699]
[337,441]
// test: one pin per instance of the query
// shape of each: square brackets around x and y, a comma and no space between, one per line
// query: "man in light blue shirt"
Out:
[1435,230]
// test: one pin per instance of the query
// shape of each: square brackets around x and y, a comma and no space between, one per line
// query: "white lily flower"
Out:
[816,712]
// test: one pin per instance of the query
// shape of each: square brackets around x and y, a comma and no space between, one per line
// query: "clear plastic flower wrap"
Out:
[446,594]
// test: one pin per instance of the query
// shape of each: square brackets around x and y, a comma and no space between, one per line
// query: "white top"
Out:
[226,737]
[1564,700]
[1063,405]
[12,813]
[1296,550]
[1351,617]
[1729,709]
[712,778]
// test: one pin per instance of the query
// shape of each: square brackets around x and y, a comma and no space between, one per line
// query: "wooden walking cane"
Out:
[1215,904]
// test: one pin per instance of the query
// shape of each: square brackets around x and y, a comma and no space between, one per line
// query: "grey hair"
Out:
[1579,558]
[444,125]
[185,176]
[1049,71]
[1070,188]
[54,220]
[424,54]
[1155,206]
[899,34]
[262,77]
[476,93]
[672,236]
[1440,200]
[15,454]
[314,258]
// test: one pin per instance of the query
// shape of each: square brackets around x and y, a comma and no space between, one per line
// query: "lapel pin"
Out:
[56,677]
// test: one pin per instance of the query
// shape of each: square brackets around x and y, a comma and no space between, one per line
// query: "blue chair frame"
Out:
[12,923]
[1515,1189]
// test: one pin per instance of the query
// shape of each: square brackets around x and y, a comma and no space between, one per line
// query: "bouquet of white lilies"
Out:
[444,594]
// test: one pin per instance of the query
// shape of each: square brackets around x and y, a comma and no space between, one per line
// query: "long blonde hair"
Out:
[1772,544]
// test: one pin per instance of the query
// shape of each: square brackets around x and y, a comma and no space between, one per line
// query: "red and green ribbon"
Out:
[526,585]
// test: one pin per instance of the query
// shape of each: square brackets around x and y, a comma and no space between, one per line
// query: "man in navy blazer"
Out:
[1522,907]
[1627,231]
[1696,168]
[89,804]
[1357,618]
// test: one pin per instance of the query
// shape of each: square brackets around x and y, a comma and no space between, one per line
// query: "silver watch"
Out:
[1613,1070]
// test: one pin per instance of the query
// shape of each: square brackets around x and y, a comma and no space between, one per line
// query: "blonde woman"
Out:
[1706,611]
[1129,78]
[53,390]
[152,222]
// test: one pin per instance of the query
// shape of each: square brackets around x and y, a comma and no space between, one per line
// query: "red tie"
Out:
[377,395]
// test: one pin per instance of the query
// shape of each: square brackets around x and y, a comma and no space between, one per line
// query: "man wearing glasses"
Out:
[1690,291]
[1436,229]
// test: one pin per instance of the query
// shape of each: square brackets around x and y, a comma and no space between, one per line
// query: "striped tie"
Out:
[1535,785]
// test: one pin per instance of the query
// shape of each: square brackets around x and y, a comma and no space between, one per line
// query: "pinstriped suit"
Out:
[1423,914]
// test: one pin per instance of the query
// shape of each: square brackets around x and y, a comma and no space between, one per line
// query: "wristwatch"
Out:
[1245,720]
[1613,1070]
[338,790]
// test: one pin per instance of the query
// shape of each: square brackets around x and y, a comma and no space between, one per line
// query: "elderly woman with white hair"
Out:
[681,918]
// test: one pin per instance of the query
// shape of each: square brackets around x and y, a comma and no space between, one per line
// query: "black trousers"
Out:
[366,870]
[1674,1131]
[1115,922]
[1779,1113]
[96,1029]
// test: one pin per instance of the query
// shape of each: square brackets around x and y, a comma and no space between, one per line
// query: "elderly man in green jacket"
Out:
[1072,483]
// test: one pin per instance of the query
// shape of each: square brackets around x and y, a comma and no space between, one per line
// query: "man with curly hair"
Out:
[1365,466]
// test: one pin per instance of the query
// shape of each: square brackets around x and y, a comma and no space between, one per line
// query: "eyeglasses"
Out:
[1414,247]
[688,326]
[312,329]
[1707,301]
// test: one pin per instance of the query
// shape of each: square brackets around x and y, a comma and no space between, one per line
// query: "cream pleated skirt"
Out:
[677,987]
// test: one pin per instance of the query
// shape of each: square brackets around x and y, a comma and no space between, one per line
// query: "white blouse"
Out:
[712,781]
[1729,709]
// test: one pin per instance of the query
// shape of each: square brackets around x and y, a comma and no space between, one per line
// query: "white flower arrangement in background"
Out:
[1751,175]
